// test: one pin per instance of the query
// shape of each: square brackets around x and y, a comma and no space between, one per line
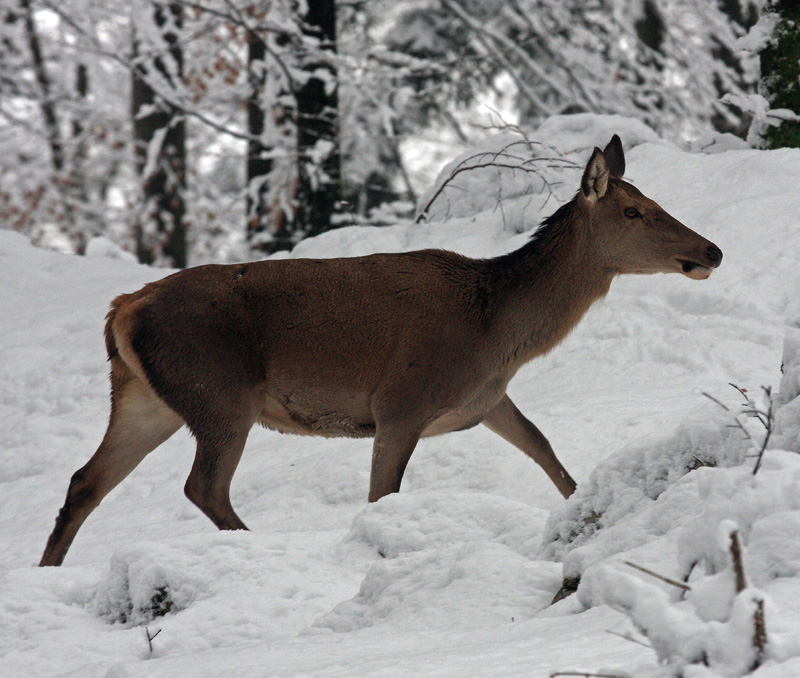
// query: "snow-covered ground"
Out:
[453,576]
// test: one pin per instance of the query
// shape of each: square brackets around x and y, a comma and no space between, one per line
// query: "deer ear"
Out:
[595,177]
[615,157]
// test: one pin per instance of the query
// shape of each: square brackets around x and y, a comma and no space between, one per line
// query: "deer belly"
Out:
[453,421]
[320,418]
[471,413]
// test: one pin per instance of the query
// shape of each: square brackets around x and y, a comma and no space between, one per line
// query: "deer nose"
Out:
[714,254]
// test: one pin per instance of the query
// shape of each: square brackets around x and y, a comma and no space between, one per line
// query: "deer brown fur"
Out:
[391,346]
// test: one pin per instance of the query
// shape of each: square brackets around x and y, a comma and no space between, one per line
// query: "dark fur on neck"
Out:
[541,245]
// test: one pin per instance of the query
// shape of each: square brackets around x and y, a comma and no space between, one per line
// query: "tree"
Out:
[317,119]
[271,180]
[293,157]
[63,146]
[321,99]
[780,72]
[46,102]
[160,137]
[667,63]
[259,164]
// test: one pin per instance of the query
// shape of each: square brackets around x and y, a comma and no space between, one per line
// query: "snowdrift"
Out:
[455,575]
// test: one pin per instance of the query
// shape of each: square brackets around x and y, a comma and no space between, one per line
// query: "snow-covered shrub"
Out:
[520,175]
[637,495]
[140,586]
[714,623]
[678,633]
[766,507]
[722,623]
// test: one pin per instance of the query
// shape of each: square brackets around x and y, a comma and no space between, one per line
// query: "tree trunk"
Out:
[258,166]
[46,103]
[160,146]
[319,157]
[77,179]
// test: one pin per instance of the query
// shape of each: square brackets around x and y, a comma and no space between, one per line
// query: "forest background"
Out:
[189,131]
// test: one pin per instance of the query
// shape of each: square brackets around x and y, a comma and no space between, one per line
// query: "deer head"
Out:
[634,234]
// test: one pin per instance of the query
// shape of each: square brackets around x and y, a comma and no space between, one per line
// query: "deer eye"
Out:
[632,213]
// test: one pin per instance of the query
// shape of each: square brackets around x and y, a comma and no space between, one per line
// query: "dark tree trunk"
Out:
[319,158]
[82,91]
[77,177]
[161,233]
[46,103]
[258,165]
[650,26]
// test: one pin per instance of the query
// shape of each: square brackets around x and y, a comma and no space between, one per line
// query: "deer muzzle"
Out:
[700,268]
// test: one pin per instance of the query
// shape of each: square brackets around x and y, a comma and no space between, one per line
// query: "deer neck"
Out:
[550,283]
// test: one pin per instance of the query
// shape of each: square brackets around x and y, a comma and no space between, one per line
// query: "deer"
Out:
[394,347]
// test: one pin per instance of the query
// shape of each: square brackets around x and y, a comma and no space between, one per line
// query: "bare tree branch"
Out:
[524,166]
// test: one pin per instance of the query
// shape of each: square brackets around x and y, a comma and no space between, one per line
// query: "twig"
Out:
[673,582]
[553,162]
[582,674]
[738,566]
[742,391]
[719,402]
[769,426]
[740,426]
[748,403]
[759,621]
[508,126]
[150,638]
[765,417]
[628,636]
[759,634]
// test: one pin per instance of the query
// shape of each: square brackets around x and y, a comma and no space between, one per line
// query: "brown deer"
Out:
[391,346]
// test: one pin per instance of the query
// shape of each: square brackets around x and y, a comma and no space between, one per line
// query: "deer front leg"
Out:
[390,454]
[509,423]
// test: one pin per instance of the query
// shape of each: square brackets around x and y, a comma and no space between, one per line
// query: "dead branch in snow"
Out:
[672,582]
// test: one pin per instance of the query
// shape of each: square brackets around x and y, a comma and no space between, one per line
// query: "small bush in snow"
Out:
[138,589]
[721,624]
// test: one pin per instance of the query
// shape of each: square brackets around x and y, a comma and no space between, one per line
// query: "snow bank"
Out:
[103,247]
[437,549]
[403,523]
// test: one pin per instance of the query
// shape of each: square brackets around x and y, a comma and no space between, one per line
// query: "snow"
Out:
[713,621]
[454,575]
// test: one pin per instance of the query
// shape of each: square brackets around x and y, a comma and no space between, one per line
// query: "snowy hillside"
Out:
[453,576]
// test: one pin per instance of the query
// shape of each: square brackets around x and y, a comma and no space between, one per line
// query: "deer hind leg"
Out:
[509,423]
[219,449]
[391,451]
[139,423]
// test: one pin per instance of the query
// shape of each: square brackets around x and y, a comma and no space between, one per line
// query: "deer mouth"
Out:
[692,269]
